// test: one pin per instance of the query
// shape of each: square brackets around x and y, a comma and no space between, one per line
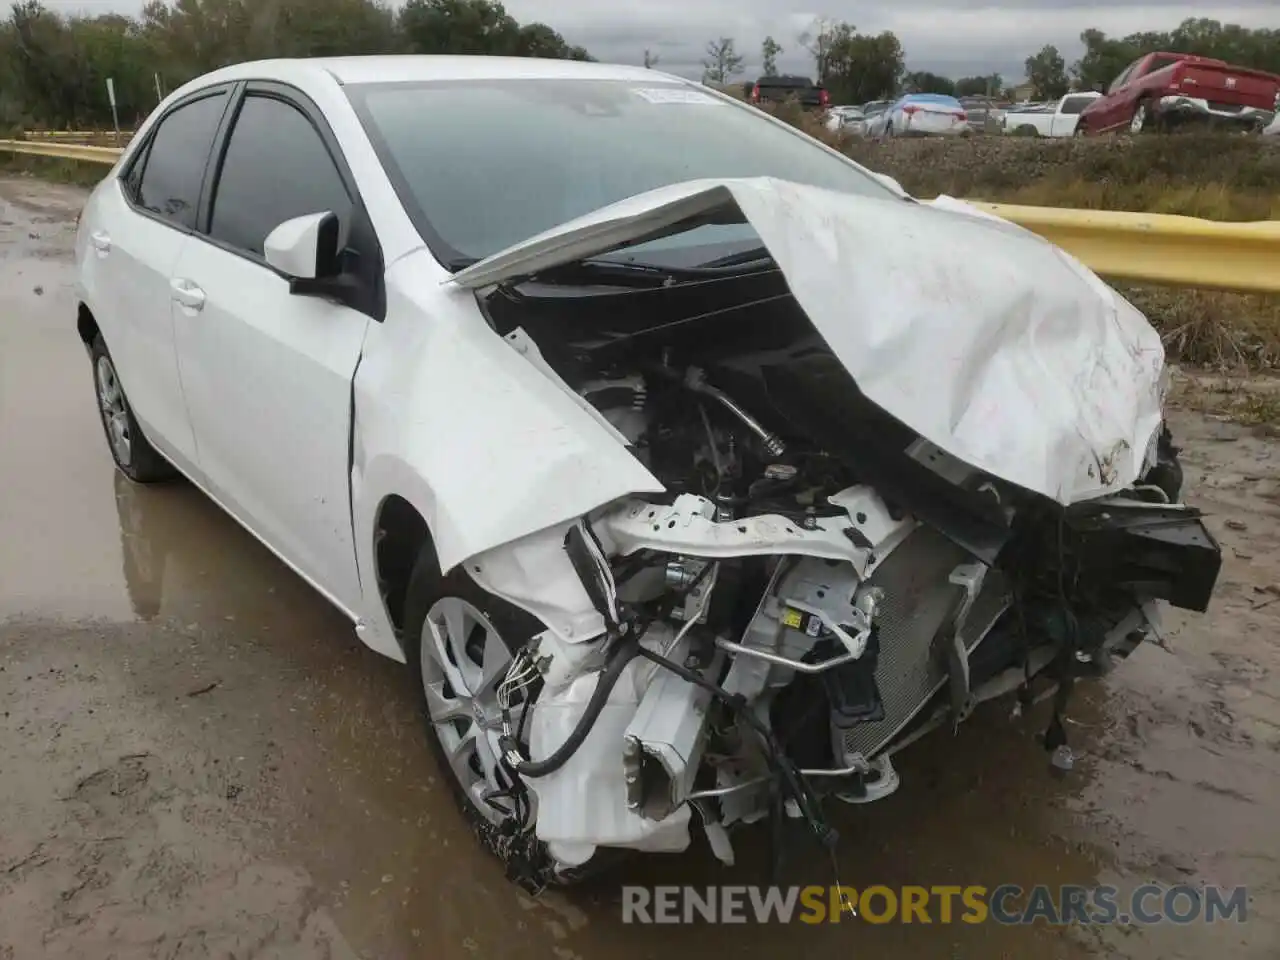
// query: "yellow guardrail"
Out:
[1159,248]
[1137,247]
[75,134]
[63,151]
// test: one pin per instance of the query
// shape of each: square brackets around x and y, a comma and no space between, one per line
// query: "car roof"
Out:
[408,68]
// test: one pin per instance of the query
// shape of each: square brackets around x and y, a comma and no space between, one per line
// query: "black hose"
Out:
[627,649]
[622,655]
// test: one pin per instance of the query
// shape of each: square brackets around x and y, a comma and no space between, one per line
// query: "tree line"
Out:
[856,68]
[1105,57]
[54,67]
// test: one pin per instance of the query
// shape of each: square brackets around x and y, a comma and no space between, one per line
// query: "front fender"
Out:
[485,445]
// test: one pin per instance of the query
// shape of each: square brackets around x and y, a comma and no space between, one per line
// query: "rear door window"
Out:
[169,186]
[276,167]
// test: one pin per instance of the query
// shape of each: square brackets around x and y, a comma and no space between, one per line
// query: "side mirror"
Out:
[305,248]
[889,182]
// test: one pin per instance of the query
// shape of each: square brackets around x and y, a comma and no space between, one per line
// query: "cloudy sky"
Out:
[959,38]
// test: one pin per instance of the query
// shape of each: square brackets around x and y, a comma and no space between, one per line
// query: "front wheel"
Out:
[1141,118]
[132,451]
[459,643]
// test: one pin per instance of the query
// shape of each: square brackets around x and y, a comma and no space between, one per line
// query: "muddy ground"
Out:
[198,759]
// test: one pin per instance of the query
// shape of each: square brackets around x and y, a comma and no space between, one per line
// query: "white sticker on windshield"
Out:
[677,95]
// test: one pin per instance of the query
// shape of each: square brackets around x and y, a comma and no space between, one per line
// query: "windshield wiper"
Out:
[605,271]
[741,258]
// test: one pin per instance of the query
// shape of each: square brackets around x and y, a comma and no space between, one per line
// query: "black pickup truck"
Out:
[777,89]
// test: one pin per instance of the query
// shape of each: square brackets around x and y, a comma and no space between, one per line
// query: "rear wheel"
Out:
[132,452]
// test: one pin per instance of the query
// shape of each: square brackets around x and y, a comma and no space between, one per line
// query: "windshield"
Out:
[480,166]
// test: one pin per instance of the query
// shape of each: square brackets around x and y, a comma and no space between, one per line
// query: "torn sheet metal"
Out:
[986,340]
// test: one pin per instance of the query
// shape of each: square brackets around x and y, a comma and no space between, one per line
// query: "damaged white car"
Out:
[686,463]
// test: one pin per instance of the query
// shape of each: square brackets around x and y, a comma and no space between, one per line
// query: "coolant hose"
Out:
[624,653]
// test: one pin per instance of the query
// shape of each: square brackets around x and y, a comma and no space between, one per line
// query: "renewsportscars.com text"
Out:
[1006,904]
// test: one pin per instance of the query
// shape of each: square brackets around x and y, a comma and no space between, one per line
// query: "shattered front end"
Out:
[878,511]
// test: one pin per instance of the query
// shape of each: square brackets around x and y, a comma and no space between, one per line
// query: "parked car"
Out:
[627,527]
[1163,90]
[985,114]
[1057,119]
[873,108]
[782,88]
[849,119]
[921,114]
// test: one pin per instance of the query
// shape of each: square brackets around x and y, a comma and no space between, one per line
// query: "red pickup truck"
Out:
[1162,90]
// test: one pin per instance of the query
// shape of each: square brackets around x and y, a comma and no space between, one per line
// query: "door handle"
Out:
[101,242]
[186,293]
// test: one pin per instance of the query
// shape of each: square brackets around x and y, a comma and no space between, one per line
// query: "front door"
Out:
[267,374]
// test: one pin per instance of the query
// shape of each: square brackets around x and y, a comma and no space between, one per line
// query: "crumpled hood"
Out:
[988,341]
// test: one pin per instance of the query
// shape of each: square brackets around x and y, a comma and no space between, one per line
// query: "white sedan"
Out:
[851,120]
[921,114]
[604,420]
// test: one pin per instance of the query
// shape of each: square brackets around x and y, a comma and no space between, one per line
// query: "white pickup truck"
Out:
[1058,118]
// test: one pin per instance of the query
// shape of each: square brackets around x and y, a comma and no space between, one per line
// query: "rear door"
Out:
[140,226]
[267,373]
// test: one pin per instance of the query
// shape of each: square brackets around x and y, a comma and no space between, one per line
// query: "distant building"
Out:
[1023,91]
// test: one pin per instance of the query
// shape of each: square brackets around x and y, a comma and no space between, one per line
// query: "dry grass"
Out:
[1220,176]
[1251,400]
[47,168]
[1223,331]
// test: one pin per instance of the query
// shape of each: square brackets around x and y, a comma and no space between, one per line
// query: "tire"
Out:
[1141,121]
[132,452]
[432,603]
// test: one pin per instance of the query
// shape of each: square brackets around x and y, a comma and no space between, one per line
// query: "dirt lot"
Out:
[198,760]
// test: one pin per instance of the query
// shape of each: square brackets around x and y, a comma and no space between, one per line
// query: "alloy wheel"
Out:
[463,660]
[115,411]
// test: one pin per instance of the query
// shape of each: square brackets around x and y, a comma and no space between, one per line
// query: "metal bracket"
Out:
[970,577]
